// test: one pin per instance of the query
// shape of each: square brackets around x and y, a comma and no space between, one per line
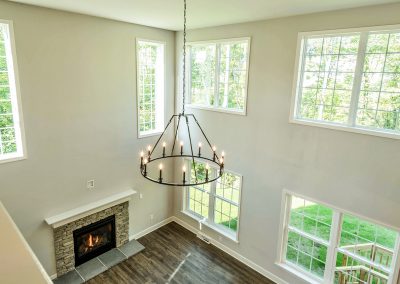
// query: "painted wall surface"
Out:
[78,89]
[356,172]
[18,264]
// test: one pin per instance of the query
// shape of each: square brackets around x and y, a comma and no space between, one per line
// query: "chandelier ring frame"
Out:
[217,165]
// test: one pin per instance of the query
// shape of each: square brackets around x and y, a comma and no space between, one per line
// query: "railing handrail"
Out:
[367,246]
[362,267]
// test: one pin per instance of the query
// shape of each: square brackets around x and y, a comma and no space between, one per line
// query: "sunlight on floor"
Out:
[179,267]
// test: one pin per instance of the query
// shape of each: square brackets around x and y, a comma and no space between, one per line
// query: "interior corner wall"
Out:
[78,88]
[355,172]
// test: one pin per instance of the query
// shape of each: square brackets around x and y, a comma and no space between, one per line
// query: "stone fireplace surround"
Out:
[65,223]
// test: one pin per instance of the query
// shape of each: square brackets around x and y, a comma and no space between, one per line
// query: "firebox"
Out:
[92,240]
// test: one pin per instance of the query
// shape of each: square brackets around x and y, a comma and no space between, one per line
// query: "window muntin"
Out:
[217,203]
[308,235]
[363,250]
[328,78]
[311,218]
[218,74]
[366,249]
[350,79]
[202,67]
[150,81]
[11,141]
[227,192]
[199,195]
[351,270]
[306,254]
[379,103]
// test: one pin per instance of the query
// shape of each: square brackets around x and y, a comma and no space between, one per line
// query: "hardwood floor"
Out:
[175,255]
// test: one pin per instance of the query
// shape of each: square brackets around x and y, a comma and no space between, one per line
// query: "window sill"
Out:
[223,110]
[149,134]
[12,158]
[298,273]
[354,129]
[231,236]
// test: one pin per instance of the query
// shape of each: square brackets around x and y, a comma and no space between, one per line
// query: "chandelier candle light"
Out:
[201,156]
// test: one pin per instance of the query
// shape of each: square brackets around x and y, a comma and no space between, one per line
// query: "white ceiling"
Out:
[167,14]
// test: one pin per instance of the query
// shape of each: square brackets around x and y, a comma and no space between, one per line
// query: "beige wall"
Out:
[78,88]
[78,93]
[18,263]
[355,172]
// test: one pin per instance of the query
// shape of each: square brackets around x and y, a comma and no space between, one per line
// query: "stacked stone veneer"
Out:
[64,240]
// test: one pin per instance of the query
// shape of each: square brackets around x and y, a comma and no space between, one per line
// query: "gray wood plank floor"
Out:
[175,255]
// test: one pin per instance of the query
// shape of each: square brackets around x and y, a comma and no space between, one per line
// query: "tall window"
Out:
[11,141]
[218,73]
[350,79]
[216,203]
[150,85]
[331,246]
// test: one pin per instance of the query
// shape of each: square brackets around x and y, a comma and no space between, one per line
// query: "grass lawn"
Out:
[316,220]
[227,187]
[199,205]
[233,224]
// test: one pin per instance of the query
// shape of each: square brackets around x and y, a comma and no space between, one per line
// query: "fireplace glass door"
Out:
[94,239]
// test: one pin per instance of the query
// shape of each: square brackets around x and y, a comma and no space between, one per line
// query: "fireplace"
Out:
[94,239]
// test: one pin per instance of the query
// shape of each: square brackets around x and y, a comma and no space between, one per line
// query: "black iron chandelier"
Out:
[159,155]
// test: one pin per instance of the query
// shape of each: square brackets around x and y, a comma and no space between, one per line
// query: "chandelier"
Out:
[157,155]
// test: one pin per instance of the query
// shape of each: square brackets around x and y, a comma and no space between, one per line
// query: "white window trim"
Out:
[15,100]
[333,246]
[164,108]
[297,81]
[188,76]
[234,236]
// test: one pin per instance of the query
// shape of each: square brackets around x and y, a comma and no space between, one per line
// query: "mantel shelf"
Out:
[88,209]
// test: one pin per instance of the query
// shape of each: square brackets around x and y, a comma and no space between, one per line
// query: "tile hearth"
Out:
[100,264]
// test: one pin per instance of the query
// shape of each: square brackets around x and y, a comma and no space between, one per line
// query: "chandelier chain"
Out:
[184,58]
[187,180]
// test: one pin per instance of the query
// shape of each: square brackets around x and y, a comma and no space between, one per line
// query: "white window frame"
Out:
[298,73]
[215,107]
[209,222]
[160,99]
[332,244]
[15,94]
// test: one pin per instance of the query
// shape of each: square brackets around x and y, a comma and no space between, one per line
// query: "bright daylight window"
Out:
[217,203]
[150,87]
[362,252]
[11,146]
[350,79]
[218,73]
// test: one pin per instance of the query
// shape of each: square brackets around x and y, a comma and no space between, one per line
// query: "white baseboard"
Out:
[151,229]
[234,254]
[215,243]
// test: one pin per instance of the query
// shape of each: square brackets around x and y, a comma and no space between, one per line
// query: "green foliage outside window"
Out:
[147,85]
[203,62]
[226,197]
[315,219]
[329,76]
[224,64]
[8,135]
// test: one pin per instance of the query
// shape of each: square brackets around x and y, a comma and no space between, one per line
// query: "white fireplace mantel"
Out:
[88,209]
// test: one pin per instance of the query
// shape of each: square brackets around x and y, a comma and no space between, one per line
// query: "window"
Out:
[218,73]
[308,235]
[150,87]
[365,253]
[331,246]
[350,79]
[216,203]
[11,128]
